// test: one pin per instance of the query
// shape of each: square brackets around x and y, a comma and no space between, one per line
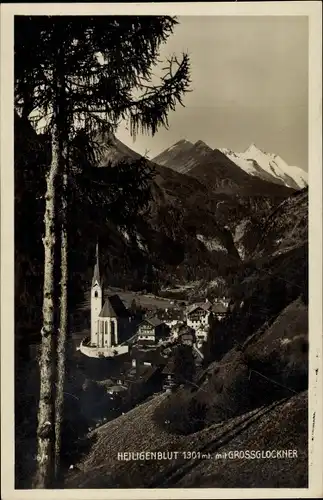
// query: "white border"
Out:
[304,8]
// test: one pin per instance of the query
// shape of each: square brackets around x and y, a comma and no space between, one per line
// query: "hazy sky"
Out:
[250,85]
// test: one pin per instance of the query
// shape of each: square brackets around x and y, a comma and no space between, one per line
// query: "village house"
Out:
[118,389]
[186,335]
[142,380]
[136,382]
[151,330]
[219,310]
[222,300]
[198,314]
[171,317]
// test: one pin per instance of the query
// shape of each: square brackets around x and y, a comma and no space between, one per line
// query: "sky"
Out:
[249,85]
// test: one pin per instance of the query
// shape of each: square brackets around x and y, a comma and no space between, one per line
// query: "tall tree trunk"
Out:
[44,475]
[63,329]
[63,322]
[45,430]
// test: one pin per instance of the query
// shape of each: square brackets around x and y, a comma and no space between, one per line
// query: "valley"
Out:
[209,230]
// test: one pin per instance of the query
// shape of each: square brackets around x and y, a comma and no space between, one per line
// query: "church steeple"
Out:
[96,274]
[96,299]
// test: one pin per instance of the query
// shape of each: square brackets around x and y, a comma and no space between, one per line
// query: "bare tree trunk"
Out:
[63,324]
[63,329]
[43,476]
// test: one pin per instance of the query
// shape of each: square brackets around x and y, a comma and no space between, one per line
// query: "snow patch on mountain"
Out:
[238,235]
[268,166]
[212,244]
[245,165]
[140,243]
[125,234]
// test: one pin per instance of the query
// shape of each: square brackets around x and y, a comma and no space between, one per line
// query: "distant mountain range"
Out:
[268,166]
[197,191]
[184,157]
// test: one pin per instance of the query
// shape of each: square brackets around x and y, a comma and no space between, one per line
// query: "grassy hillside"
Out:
[267,428]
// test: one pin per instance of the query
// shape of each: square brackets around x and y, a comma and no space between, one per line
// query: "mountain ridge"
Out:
[183,156]
[213,185]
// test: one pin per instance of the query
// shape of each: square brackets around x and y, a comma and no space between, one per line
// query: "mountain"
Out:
[268,166]
[183,156]
[113,150]
[220,166]
[286,227]
[240,200]
[274,275]
[214,168]
[183,219]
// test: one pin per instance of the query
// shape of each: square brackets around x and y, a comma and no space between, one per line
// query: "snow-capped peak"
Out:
[268,166]
[252,148]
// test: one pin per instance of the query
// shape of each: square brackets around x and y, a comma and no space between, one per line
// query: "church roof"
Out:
[96,274]
[107,310]
[113,308]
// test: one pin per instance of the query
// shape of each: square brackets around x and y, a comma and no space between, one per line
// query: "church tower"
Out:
[96,299]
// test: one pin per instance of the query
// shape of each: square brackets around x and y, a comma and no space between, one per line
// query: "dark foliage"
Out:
[184,366]
[181,413]
[261,291]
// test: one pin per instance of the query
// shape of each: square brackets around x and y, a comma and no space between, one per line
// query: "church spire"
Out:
[96,274]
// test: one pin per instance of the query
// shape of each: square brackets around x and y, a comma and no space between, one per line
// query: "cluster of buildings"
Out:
[115,328]
[150,369]
[195,318]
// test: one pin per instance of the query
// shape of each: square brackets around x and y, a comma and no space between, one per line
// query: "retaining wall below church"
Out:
[103,352]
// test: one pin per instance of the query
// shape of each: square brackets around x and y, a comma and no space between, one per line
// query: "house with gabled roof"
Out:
[219,310]
[198,314]
[151,330]
[186,335]
[170,316]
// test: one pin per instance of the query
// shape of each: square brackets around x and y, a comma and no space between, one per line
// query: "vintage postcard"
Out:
[161,250]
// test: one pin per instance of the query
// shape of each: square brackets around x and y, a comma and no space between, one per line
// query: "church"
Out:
[111,322]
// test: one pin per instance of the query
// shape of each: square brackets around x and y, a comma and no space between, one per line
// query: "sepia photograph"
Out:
[161,174]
